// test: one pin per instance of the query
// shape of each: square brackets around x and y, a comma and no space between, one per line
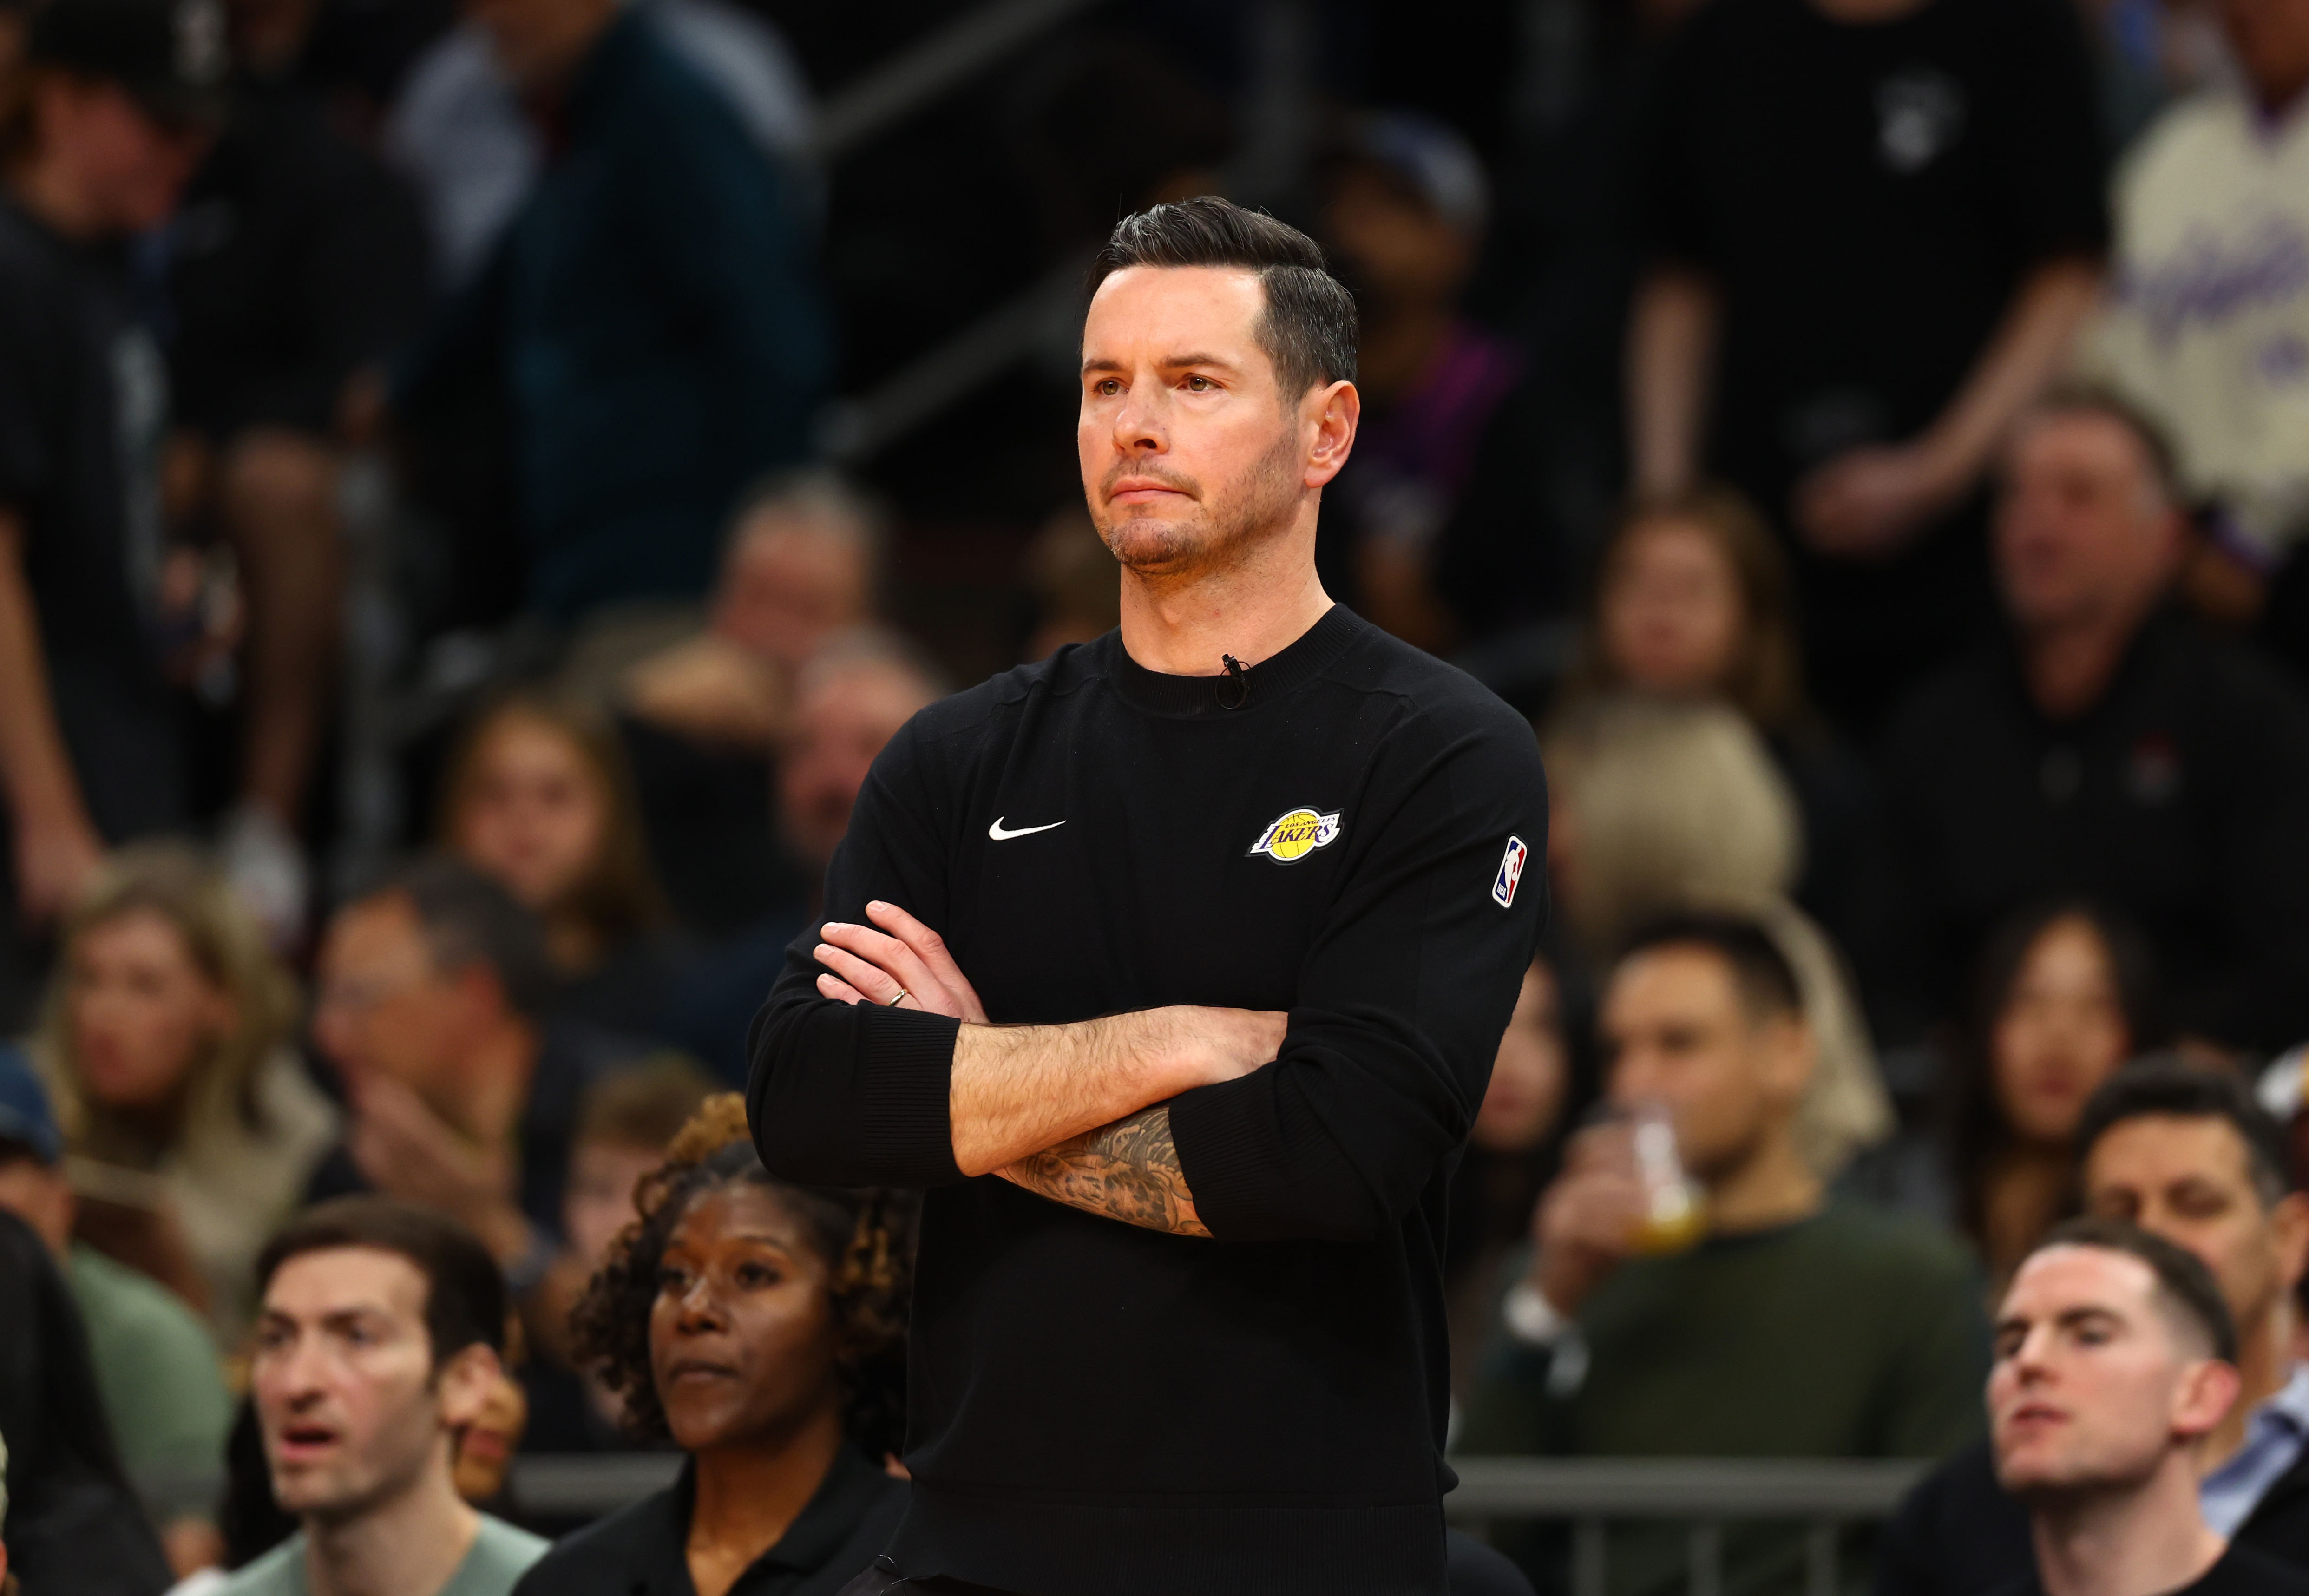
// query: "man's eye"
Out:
[1106,387]
[1199,384]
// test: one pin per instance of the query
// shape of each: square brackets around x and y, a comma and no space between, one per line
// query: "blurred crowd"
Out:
[445,619]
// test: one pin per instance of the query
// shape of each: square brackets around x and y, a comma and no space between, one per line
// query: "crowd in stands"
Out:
[1868,439]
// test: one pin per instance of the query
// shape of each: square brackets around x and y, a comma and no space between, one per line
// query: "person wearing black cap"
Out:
[1250,887]
[102,127]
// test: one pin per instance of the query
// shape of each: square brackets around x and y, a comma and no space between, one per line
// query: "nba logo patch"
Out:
[1503,887]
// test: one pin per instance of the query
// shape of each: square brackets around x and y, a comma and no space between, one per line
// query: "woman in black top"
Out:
[761,1325]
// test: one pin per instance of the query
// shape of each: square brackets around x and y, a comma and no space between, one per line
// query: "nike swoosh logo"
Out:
[1000,835]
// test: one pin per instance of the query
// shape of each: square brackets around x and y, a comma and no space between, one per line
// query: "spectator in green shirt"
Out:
[1736,1311]
[379,1341]
[156,1368]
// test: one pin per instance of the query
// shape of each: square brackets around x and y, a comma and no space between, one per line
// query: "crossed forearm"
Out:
[1018,1090]
[1126,1171]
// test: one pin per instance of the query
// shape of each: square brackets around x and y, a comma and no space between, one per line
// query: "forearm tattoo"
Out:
[1128,1171]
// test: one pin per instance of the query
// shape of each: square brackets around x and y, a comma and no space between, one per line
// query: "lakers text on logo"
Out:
[1292,837]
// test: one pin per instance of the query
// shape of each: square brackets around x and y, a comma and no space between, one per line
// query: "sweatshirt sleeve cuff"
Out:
[906,1067]
[1226,1157]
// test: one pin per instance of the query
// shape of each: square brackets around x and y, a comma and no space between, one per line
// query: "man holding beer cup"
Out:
[1692,1290]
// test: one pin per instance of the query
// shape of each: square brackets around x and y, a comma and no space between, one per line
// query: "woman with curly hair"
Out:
[761,1326]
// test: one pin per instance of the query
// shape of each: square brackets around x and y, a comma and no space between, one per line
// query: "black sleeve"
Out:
[361,289]
[2051,170]
[2261,997]
[1405,991]
[28,404]
[1499,561]
[1669,205]
[73,1522]
[858,1096]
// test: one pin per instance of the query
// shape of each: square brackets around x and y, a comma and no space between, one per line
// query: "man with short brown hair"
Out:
[378,1339]
[2115,1361]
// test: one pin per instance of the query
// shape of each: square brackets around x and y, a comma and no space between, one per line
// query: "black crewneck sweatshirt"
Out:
[1098,1409]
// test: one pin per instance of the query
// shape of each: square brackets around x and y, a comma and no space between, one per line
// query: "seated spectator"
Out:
[803,562]
[703,714]
[294,262]
[1788,1324]
[2115,1362]
[460,1088]
[2107,748]
[761,1326]
[2064,995]
[2186,1153]
[74,1527]
[156,1368]
[2205,331]
[650,312]
[1874,230]
[254,1521]
[193,1126]
[538,799]
[379,1339]
[1405,205]
[1658,806]
[1514,1150]
[1693,600]
[850,701]
[624,1123]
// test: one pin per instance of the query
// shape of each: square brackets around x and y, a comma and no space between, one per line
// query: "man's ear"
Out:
[1790,1053]
[465,1381]
[2288,1221]
[1337,411]
[2207,1390]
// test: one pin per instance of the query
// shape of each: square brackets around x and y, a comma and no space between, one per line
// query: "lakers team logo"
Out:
[1292,837]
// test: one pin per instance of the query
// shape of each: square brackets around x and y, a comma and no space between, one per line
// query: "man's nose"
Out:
[1139,424]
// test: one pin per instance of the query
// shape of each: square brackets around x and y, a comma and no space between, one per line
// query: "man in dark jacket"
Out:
[2186,1154]
[2104,747]
[650,314]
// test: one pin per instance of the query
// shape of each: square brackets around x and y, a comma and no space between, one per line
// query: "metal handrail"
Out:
[1490,1488]
[1822,1495]
[1501,1487]
[894,90]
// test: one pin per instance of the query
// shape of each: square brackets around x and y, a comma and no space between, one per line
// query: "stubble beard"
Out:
[1255,507]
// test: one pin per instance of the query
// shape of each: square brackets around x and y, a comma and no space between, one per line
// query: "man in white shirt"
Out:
[2208,326]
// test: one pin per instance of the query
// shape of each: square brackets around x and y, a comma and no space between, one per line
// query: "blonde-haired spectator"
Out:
[191,1127]
[1661,805]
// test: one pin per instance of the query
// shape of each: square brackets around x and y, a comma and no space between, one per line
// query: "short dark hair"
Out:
[2182,1280]
[2167,1084]
[465,1292]
[865,1238]
[1309,327]
[468,919]
[1766,980]
[2085,398]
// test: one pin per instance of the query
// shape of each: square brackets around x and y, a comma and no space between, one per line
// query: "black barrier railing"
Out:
[1824,1495]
